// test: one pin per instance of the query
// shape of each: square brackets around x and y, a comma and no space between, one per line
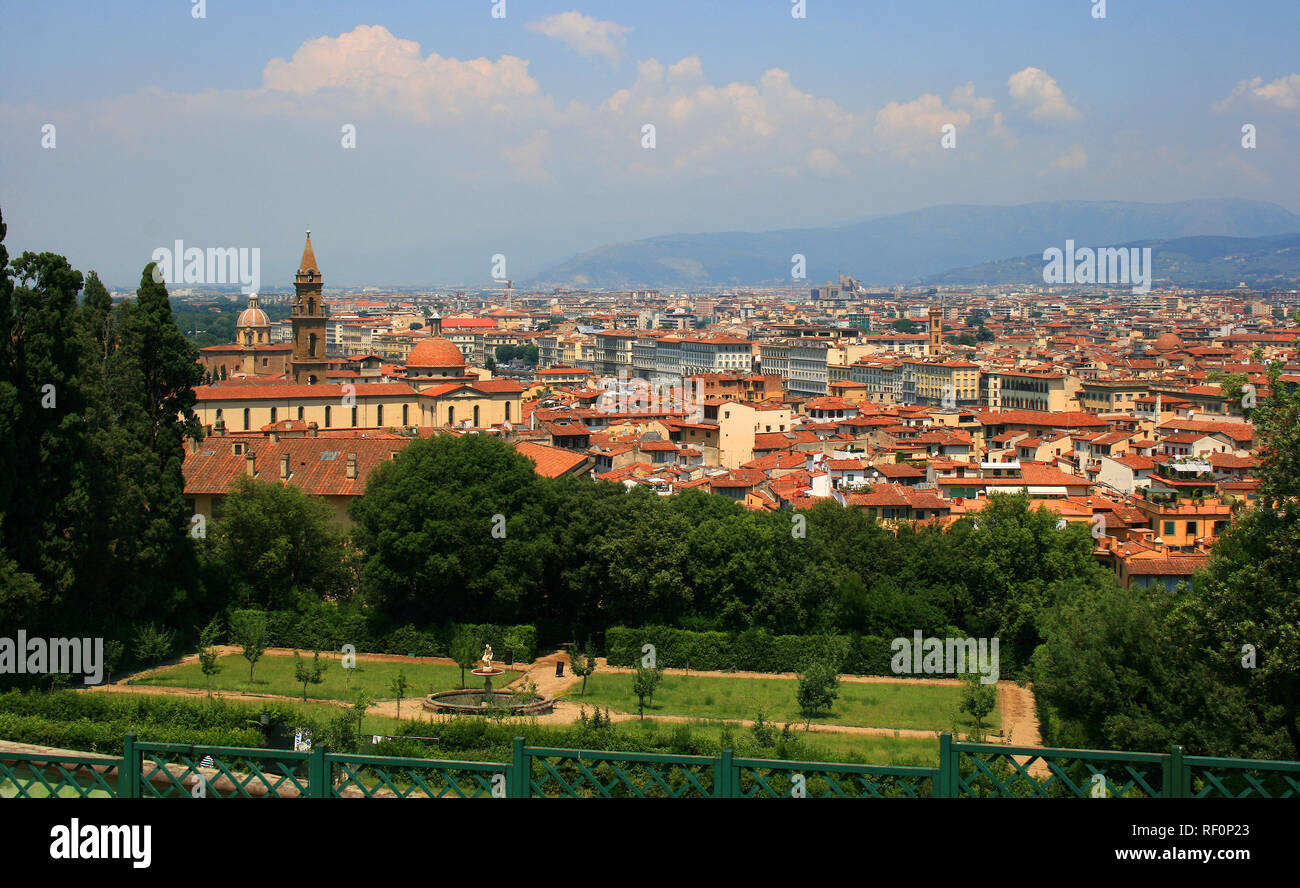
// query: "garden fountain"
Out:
[488,701]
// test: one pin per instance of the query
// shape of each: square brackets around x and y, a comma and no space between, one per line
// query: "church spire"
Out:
[308,262]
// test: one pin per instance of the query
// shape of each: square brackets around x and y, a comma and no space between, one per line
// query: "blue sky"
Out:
[522,136]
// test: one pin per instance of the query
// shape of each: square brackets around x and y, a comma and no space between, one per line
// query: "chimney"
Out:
[220,428]
[284,467]
[312,429]
[250,464]
[352,466]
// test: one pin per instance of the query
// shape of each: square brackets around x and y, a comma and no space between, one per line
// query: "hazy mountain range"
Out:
[1206,242]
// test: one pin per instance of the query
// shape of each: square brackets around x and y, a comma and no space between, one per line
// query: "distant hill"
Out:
[910,247]
[1208,262]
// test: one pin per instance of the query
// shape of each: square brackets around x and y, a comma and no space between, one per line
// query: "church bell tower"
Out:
[308,318]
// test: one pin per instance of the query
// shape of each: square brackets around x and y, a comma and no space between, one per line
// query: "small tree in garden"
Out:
[978,700]
[113,652]
[583,664]
[152,645]
[465,651]
[399,686]
[643,685]
[818,688]
[248,629]
[208,652]
[314,675]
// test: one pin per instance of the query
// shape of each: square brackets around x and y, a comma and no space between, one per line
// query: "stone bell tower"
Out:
[309,364]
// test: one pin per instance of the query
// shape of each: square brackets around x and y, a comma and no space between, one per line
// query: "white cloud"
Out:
[370,66]
[1036,90]
[1281,94]
[906,129]
[1074,159]
[584,34]
[529,156]
[824,162]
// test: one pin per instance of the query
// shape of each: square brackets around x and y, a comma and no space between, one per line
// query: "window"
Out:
[354,417]
[451,416]
[247,413]
[379,415]
[1169,528]
[406,411]
[300,413]
[327,416]
[507,411]
[476,416]
[1191,528]
[272,414]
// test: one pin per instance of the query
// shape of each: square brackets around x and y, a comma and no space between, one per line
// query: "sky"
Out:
[476,134]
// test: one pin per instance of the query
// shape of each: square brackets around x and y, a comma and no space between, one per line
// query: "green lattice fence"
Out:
[582,773]
[1241,778]
[374,776]
[968,770]
[38,776]
[986,770]
[771,778]
[168,770]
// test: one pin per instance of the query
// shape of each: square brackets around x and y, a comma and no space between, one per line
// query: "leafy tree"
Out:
[905,325]
[153,644]
[583,663]
[249,631]
[464,649]
[360,705]
[399,686]
[114,650]
[1248,597]
[314,675]
[41,427]
[644,683]
[276,547]
[208,654]
[817,687]
[978,700]
[436,550]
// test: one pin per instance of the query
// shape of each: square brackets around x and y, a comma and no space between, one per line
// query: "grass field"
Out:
[274,675]
[878,705]
[824,746]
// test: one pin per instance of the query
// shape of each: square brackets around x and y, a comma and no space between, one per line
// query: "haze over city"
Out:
[523,135]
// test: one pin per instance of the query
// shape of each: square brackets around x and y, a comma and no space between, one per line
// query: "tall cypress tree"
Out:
[44,531]
[150,377]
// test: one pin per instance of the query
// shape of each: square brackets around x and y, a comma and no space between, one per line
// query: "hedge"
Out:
[328,629]
[754,650]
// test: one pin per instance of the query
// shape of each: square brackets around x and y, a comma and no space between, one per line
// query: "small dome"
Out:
[435,352]
[1168,341]
[253,317]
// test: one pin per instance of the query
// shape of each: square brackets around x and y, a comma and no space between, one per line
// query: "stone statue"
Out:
[487,656]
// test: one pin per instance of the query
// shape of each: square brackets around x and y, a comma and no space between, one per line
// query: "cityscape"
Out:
[507,401]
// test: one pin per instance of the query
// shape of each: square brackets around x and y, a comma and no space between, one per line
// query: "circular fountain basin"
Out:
[470,702]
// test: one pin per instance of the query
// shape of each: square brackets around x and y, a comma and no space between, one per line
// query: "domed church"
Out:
[436,360]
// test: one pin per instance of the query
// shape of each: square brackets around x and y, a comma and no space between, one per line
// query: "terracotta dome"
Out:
[1168,341]
[253,317]
[435,352]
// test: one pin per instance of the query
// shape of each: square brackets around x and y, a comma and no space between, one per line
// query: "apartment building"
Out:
[1027,390]
[1111,395]
[941,383]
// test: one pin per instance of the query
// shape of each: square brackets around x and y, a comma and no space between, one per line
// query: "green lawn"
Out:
[824,746]
[274,675]
[877,705]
